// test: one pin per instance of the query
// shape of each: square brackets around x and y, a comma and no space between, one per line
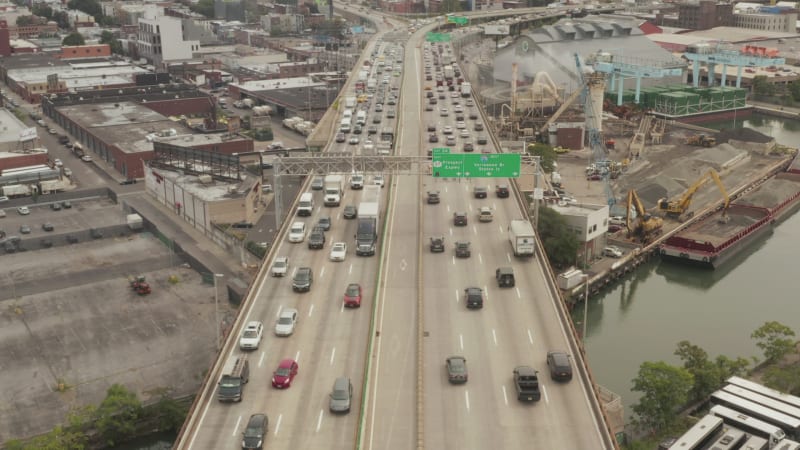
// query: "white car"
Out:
[378,180]
[464,134]
[338,251]
[297,233]
[612,251]
[461,125]
[23,210]
[284,326]
[447,130]
[58,162]
[251,336]
[86,158]
[353,140]
[280,267]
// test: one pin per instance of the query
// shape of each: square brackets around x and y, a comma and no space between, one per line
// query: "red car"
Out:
[283,376]
[352,295]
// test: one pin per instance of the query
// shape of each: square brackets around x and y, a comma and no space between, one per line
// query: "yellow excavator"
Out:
[645,226]
[679,209]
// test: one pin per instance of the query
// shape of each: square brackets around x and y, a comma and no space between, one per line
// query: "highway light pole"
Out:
[218,327]
[585,307]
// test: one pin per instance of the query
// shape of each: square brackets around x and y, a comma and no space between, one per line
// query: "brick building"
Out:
[705,15]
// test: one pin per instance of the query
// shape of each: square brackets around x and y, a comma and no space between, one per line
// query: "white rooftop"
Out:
[10,126]
[281,83]
[217,190]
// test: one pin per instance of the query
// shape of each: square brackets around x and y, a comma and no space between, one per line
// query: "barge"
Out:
[715,238]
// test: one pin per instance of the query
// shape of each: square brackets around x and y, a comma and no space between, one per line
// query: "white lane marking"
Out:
[475,229]
[341,308]
[466,397]
[319,421]
[278,314]
[403,265]
[499,226]
[530,336]
[544,393]
[278,424]
[338,216]
[351,268]
[297,356]
[310,310]
[322,272]
[454,260]
[519,294]
[333,354]
[456,295]
[508,256]
[469,206]
[505,397]
[261,359]
[448,207]
[461,340]
[236,428]
[480,258]
[451,231]
[486,293]
[494,336]
[494,207]
[294,272]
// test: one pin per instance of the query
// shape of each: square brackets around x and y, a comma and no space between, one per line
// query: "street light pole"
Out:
[585,307]
[218,327]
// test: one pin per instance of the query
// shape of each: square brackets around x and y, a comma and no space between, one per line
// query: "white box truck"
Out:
[350,102]
[306,205]
[334,189]
[466,89]
[522,238]
[368,220]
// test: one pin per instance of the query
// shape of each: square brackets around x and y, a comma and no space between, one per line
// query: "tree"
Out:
[42,10]
[90,7]
[664,389]
[117,415]
[762,86]
[794,89]
[62,19]
[204,7]
[708,375]
[72,436]
[785,379]
[73,38]
[774,339]
[107,37]
[560,244]
[24,21]
[547,154]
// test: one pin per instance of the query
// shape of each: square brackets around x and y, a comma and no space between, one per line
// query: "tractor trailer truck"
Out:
[522,238]
[368,220]
[334,189]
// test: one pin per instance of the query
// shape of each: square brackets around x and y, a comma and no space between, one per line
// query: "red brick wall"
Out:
[23,160]
[5,39]
[85,51]
[133,161]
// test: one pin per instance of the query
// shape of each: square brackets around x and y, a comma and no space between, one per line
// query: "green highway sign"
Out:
[457,20]
[437,37]
[436,150]
[467,165]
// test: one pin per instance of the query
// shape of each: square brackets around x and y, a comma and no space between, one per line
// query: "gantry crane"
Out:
[679,209]
[639,222]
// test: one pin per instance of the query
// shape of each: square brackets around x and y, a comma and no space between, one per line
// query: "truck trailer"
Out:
[334,189]
[522,238]
[368,220]
[466,89]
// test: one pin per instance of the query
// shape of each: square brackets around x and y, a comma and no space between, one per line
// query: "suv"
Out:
[251,336]
[560,368]
[504,277]
[254,433]
[433,197]
[462,249]
[341,395]
[316,240]
[280,267]
[460,219]
[485,214]
[480,192]
[473,296]
[302,279]
[502,191]
[437,244]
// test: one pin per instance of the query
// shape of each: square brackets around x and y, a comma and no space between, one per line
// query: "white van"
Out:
[348,114]
[306,205]
[345,125]
[361,118]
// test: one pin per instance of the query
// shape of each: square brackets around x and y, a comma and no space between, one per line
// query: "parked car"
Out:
[612,251]
[23,210]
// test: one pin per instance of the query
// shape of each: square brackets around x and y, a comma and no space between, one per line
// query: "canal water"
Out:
[661,304]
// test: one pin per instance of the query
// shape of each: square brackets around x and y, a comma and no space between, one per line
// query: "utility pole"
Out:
[218,327]
[537,193]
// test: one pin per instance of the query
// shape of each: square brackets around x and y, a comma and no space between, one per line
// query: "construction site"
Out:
[626,132]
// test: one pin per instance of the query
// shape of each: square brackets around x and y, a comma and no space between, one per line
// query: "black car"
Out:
[47,226]
[502,191]
[473,115]
[432,127]
[462,249]
[350,212]
[340,137]
[504,276]
[437,244]
[302,280]
[469,147]
[433,138]
[433,197]
[559,365]
[324,223]
[255,432]
[473,297]
[316,239]
[372,129]
[357,129]
[480,192]
[482,140]
[460,219]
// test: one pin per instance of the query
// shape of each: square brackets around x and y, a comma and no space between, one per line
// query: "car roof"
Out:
[281,258]
[256,420]
[286,363]
[253,324]
[288,312]
[560,358]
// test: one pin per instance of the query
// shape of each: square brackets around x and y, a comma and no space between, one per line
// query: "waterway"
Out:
[661,304]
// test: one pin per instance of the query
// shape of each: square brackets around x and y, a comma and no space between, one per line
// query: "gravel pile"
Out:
[744,135]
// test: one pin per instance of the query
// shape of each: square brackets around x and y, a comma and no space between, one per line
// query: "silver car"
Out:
[284,326]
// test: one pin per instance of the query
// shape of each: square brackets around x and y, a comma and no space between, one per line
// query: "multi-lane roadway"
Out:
[407,402]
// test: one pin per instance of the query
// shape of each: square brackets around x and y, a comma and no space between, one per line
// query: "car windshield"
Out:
[352,291]
[279,264]
[297,229]
[457,366]
[338,248]
[339,395]
[282,372]
[250,333]
[285,321]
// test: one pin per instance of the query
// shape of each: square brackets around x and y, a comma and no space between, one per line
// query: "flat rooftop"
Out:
[715,231]
[577,210]
[214,191]
[192,140]
[277,84]
[10,126]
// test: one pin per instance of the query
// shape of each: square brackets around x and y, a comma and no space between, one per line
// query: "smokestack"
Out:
[514,70]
